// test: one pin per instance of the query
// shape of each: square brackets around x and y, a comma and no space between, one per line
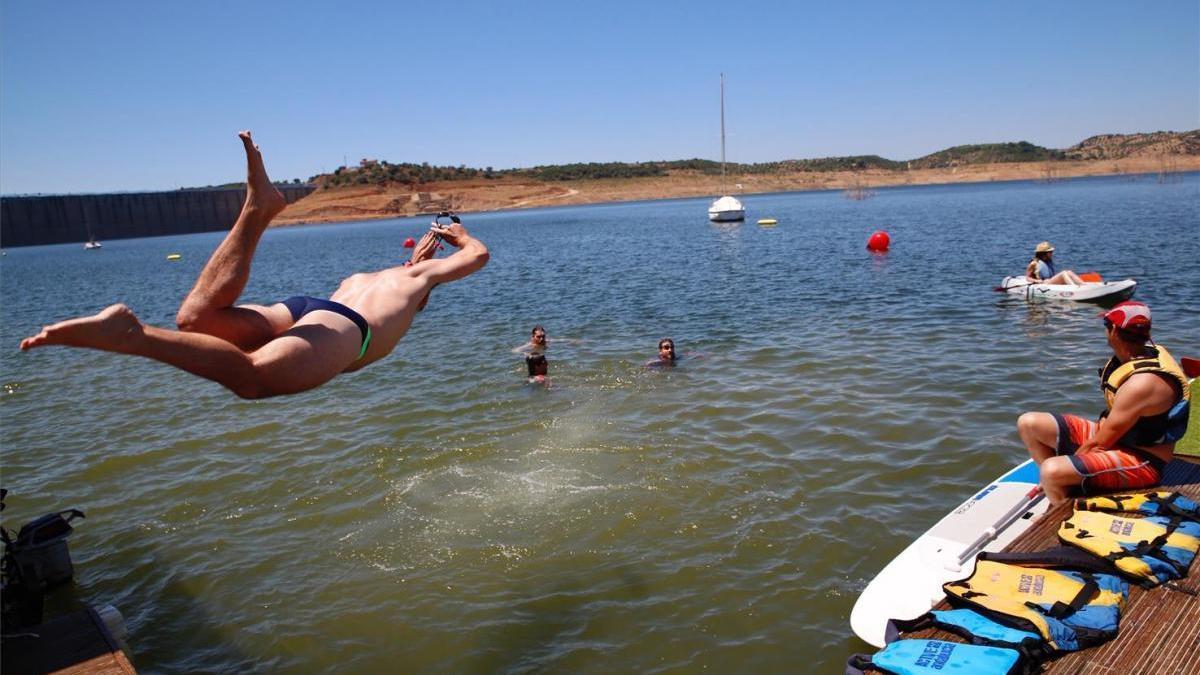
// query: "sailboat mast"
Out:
[722,133]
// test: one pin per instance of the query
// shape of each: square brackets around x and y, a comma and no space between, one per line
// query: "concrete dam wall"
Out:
[60,219]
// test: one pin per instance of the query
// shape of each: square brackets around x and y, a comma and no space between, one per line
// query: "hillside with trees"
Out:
[1121,146]
[372,172]
[990,153]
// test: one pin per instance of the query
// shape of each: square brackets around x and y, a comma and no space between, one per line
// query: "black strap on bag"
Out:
[48,527]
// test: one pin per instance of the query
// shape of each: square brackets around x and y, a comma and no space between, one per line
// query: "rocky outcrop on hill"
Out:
[1121,146]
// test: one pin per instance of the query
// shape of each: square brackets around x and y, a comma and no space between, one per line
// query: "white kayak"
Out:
[1088,291]
[911,584]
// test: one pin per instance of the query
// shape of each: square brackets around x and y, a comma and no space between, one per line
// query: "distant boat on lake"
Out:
[726,208]
[91,242]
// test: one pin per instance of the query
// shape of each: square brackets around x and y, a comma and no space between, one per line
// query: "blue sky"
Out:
[104,96]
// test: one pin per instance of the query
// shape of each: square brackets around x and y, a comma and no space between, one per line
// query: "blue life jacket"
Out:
[1045,270]
[937,657]
[973,626]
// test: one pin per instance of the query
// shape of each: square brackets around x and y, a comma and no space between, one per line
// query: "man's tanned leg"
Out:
[209,307]
[305,357]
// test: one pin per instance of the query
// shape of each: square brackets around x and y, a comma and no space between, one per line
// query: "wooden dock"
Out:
[1160,628]
[76,644]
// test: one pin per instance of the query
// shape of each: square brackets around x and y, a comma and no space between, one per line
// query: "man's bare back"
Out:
[284,348]
[389,299]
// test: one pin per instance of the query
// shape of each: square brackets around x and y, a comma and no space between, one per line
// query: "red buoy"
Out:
[879,241]
[410,243]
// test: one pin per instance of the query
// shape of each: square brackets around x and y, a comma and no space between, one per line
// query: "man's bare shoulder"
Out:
[1147,389]
[398,274]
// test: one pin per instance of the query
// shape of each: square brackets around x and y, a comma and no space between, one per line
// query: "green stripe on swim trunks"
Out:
[366,343]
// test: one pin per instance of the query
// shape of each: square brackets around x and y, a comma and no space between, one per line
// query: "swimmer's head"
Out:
[666,349]
[537,365]
[538,336]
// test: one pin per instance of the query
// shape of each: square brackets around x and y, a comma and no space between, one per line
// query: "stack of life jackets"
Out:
[1013,616]
[1018,609]
[1152,550]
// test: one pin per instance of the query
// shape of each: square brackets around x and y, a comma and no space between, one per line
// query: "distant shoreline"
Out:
[358,203]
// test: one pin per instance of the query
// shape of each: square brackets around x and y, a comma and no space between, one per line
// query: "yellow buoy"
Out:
[767,221]
[173,256]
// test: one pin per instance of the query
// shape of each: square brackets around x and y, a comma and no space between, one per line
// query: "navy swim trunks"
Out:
[299,305]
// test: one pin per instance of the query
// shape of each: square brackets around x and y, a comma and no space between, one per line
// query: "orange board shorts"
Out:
[1115,469]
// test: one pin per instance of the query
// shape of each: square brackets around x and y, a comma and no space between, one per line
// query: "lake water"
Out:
[435,513]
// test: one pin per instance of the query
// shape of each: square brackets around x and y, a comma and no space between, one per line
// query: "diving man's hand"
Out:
[425,248]
[454,234]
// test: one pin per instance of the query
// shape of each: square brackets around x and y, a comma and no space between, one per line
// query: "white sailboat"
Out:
[91,243]
[725,208]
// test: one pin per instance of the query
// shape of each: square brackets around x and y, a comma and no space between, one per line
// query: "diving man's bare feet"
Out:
[261,195]
[115,329]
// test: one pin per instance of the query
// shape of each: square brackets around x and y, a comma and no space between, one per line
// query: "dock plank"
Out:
[73,644]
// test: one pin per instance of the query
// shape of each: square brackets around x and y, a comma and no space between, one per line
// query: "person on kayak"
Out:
[1147,395]
[1041,268]
[288,347]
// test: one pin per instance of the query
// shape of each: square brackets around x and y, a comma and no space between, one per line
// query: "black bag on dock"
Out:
[40,551]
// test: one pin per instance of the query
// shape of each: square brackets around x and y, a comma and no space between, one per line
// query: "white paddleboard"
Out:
[1089,291]
[911,584]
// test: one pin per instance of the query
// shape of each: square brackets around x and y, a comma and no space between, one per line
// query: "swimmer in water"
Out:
[537,342]
[535,354]
[666,355]
[538,368]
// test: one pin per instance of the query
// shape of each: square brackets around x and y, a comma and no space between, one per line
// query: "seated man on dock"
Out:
[258,351]
[1146,392]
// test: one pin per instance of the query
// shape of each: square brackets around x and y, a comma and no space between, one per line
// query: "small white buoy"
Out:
[767,221]
[174,256]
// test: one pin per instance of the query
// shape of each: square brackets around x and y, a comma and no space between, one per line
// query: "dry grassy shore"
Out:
[396,200]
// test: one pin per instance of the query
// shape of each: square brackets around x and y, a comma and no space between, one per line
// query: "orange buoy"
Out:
[410,243]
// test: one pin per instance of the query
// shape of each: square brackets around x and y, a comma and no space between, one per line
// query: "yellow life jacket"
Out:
[1152,550]
[1069,609]
[1165,427]
[1160,503]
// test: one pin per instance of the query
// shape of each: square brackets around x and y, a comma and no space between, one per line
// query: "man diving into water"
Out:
[258,351]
